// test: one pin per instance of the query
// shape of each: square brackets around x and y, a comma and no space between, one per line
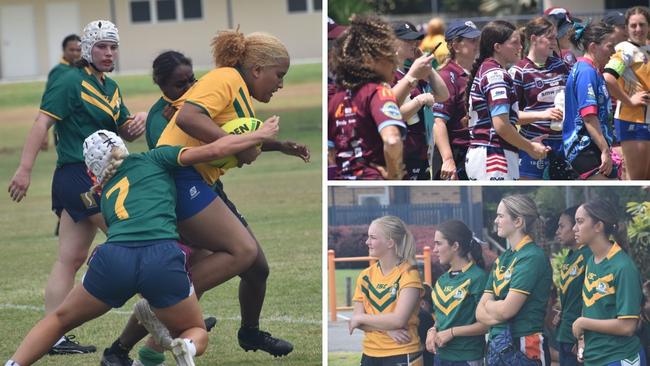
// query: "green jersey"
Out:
[612,289]
[455,297]
[527,270]
[81,105]
[156,122]
[139,201]
[61,68]
[572,276]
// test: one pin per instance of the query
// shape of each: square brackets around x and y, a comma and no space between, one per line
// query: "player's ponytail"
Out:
[118,154]
[456,231]
[395,229]
[605,212]
[231,48]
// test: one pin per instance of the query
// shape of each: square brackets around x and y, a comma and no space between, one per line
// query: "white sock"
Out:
[190,346]
[59,341]
[12,363]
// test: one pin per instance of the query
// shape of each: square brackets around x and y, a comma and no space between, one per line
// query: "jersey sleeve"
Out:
[442,110]
[496,88]
[411,279]
[490,279]
[628,292]
[56,98]
[518,86]
[385,111]
[526,274]
[361,289]
[167,157]
[212,93]
[617,63]
[124,111]
[586,85]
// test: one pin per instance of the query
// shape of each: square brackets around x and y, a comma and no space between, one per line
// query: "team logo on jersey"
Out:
[495,76]
[539,83]
[499,93]
[574,271]
[391,110]
[508,275]
[601,287]
[393,290]
[460,294]
[385,93]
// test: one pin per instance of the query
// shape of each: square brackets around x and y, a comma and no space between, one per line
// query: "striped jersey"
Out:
[492,94]
[572,275]
[612,289]
[536,87]
[221,94]
[454,109]
[379,294]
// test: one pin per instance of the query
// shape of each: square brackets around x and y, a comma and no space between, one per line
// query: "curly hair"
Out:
[367,40]
[231,48]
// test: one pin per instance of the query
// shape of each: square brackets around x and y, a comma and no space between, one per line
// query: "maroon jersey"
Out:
[415,143]
[536,87]
[454,109]
[354,122]
[492,94]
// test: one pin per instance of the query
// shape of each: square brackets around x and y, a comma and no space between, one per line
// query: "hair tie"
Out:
[580,28]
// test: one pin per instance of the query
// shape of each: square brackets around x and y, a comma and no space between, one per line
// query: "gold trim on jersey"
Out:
[453,292]
[570,273]
[86,97]
[500,275]
[601,285]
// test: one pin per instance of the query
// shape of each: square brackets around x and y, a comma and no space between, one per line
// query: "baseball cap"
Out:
[465,29]
[334,30]
[406,31]
[562,19]
[614,18]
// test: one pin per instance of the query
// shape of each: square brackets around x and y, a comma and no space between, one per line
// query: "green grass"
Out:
[281,199]
[29,93]
[343,358]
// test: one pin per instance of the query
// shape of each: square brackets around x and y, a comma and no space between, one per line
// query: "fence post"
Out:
[331,279]
[348,291]
[427,265]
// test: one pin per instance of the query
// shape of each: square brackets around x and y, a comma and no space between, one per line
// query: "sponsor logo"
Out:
[499,93]
[590,91]
[494,76]
[385,93]
[194,192]
[391,110]
[471,24]
[548,95]
[343,111]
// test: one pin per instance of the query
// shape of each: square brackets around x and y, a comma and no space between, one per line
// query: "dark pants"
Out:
[567,358]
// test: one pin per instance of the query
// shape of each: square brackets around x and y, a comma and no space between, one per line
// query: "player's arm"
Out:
[623,327]
[441,140]
[134,126]
[393,151]
[506,309]
[194,121]
[289,148]
[406,303]
[481,313]
[230,144]
[21,179]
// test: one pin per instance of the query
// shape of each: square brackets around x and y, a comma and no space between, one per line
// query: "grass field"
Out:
[279,195]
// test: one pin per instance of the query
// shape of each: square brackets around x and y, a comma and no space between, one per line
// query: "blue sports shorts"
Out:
[71,191]
[193,194]
[629,131]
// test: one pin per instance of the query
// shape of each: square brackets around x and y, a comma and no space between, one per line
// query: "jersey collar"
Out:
[464,269]
[525,240]
[613,250]
[64,62]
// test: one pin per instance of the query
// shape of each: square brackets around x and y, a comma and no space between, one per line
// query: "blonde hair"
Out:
[394,228]
[118,155]
[231,48]
[519,205]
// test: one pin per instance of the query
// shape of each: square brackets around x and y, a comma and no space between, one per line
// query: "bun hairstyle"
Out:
[519,205]
[605,212]
[497,31]
[368,39]
[456,231]
[585,33]
[394,228]
[231,48]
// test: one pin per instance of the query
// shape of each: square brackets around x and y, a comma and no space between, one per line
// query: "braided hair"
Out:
[497,31]
[367,40]
[165,64]
[117,157]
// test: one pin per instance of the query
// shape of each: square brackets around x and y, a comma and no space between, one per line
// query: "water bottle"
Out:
[559,104]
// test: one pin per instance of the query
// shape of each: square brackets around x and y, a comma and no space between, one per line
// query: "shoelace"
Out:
[70,338]
[268,338]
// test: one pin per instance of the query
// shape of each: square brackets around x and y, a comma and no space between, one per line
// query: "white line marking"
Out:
[279,319]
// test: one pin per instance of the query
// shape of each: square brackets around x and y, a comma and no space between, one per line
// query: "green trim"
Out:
[238,109]
[200,106]
[248,107]
[375,305]
[375,291]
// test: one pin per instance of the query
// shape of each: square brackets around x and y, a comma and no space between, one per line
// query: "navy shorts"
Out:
[218,188]
[193,194]
[567,357]
[71,191]
[155,269]
[629,131]
[534,169]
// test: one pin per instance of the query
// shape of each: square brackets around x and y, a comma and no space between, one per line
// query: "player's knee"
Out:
[258,271]
[201,342]
[74,261]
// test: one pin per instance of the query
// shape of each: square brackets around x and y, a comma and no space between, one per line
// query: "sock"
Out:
[117,347]
[59,341]
[150,357]
[12,363]
[190,346]
[250,329]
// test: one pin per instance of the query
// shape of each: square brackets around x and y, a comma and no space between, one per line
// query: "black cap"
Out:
[406,31]
[614,18]
[466,29]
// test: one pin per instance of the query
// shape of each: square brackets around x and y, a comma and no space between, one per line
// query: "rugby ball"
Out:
[237,126]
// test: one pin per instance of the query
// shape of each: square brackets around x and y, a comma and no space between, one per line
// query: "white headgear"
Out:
[96,31]
[97,151]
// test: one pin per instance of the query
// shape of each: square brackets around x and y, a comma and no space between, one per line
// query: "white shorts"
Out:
[498,164]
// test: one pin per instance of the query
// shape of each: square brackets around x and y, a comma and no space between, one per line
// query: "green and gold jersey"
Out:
[81,105]
[572,276]
[379,294]
[156,122]
[527,270]
[139,201]
[61,68]
[612,289]
[223,95]
[455,297]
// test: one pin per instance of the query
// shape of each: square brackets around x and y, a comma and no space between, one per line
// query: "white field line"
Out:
[280,319]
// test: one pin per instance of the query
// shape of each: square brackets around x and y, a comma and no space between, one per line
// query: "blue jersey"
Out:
[586,93]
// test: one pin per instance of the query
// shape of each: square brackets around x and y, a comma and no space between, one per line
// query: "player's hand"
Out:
[425,99]
[19,184]
[296,149]
[270,128]
[421,67]
[580,352]
[556,318]
[443,337]
[537,149]
[400,336]
[353,324]
[137,125]
[448,170]
[640,99]
[606,164]
[553,114]
[577,329]
[168,112]
[247,156]
[431,340]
